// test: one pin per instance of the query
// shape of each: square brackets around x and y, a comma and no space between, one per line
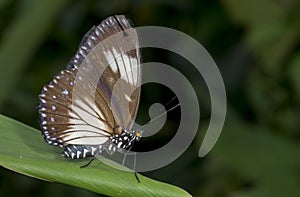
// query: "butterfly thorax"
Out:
[117,130]
[126,138]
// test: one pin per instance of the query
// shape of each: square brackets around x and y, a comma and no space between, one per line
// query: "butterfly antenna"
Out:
[134,168]
[134,162]
[157,117]
[136,176]
[125,155]
[170,101]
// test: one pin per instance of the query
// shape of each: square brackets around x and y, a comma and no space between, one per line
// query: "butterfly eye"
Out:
[138,134]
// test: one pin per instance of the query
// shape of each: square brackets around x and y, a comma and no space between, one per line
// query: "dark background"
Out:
[254,43]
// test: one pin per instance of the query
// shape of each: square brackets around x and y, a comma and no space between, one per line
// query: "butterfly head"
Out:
[138,135]
[134,136]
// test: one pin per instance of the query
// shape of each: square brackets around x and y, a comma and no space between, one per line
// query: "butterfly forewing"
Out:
[98,92]
[121,53]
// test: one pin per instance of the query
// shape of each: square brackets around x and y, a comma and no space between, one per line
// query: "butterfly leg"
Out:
[124,158]
[134,163]
[134,168]
[137,178]
[86,165]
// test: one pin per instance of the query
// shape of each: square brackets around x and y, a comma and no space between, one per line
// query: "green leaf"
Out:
[22,149]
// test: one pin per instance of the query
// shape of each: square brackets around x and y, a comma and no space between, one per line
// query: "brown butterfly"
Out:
[91,105]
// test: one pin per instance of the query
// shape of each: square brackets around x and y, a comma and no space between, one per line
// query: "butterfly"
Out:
[90,107]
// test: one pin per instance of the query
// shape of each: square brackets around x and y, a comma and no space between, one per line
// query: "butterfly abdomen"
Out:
[81,151]
[124,141]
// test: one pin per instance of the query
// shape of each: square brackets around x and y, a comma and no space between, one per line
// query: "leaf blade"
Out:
[23,150]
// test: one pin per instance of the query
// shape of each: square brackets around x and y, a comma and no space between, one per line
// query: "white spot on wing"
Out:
[122,61]
[128,98]
[110,59]
[111,80]
[121,65]
[135,70]
[65,92]
[128,69]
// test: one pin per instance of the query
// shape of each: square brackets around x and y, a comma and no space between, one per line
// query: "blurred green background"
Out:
[254,43]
